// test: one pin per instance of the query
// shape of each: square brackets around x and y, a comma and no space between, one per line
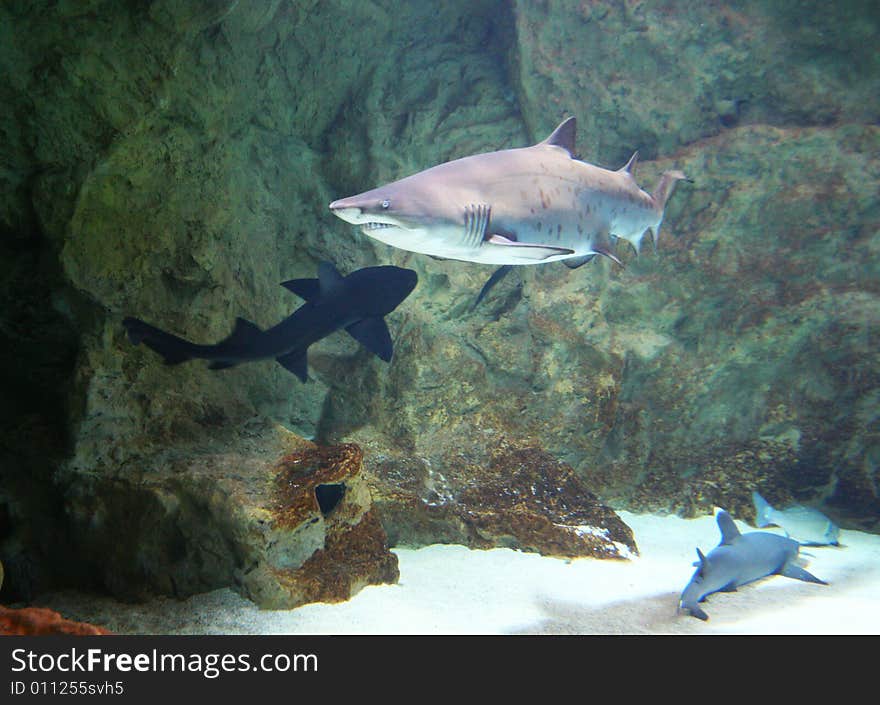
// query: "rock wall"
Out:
[173,161]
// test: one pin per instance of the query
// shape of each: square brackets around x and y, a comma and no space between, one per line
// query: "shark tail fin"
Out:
[665,187]
[762,510]
[173,350]
[661,195]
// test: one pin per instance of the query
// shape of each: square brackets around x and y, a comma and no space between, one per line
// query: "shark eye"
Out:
[386,204]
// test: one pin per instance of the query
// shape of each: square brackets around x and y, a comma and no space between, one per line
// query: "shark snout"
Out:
[348,214]
[348,211]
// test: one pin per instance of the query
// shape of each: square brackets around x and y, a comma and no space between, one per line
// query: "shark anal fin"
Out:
[295,362]
[790,570]
[308,289]
[373,334]
[528,250]
[575,262]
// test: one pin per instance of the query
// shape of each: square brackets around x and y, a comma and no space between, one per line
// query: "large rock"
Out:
[517,498]
[282,532]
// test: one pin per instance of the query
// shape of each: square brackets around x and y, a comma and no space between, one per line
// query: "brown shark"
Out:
[516,206]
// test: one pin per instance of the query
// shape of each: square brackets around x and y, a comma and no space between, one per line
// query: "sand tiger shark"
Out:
[513,207]
[357,302]
[740,559]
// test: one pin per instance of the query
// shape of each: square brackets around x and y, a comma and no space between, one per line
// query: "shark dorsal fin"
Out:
[329,277]
[564,135]
[727,526]
[629,167]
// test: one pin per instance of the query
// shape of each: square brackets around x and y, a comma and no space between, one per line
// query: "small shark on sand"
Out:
[740,559]
[357,302]
[513,207]
[806,525]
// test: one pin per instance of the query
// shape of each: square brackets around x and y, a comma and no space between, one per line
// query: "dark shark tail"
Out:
[173,350]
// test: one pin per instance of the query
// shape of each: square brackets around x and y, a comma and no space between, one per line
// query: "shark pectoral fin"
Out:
[730,587]
[295,362]
[790,570]
[329,277]
[373,334]
[575,262]
[528,250]
[694,610]
[308,289]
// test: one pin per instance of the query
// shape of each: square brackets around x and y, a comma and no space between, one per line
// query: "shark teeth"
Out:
[377,226]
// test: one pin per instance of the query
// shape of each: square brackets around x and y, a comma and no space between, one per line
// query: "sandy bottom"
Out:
[454,590]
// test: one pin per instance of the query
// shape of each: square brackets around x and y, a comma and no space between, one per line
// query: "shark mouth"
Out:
[377,226]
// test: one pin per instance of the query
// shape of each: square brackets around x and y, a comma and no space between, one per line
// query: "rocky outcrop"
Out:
[517,498]
[282,532]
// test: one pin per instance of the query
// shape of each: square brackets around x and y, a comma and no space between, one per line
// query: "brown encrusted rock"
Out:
[40,621]
[518,498]
[326,541]
[281,532]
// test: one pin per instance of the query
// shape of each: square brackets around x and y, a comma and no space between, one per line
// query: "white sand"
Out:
[454,590]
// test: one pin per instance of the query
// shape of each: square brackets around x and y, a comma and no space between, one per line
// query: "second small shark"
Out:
[806,525]
[357,302]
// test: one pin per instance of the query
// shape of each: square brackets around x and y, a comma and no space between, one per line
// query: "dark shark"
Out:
[357,303]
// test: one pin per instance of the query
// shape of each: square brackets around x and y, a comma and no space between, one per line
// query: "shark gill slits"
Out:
[476,223]
[329,496]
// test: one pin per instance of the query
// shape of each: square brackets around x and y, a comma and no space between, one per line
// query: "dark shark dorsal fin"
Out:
[727,527]
[629,167]
[373,334]
[328,277]
[243,333]
[564,135]
[308,289]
